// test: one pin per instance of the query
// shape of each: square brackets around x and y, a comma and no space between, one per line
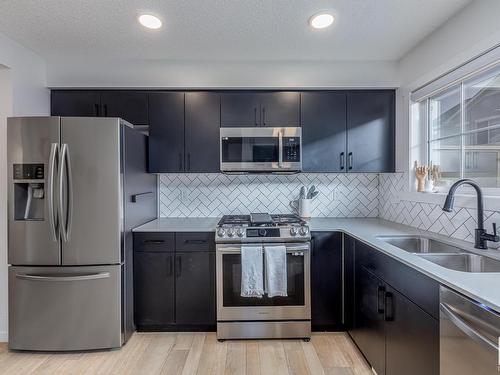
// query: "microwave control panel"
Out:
[291,149]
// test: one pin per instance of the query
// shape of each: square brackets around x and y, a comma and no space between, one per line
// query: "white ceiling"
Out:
[223,29]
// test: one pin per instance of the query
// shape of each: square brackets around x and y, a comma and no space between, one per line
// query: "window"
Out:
[458,130]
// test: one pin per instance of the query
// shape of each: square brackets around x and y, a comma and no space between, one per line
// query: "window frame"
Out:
[426,132]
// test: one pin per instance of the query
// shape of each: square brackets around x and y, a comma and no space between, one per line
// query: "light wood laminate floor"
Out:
[199,353]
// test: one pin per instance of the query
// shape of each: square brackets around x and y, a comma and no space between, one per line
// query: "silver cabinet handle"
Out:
[351,160]
[342,161]
[92,276]
[54,153]
[465,328]
[280,142]
[65,210]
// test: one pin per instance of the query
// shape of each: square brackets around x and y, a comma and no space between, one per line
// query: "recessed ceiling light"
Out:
[150,21]
[321,20]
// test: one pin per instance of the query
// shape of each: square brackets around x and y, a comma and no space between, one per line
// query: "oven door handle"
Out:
[237,249]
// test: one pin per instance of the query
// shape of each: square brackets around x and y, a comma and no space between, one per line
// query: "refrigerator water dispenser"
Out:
[29,201]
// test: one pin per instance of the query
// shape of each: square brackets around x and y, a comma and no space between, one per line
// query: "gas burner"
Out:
[262,227]
[282,219]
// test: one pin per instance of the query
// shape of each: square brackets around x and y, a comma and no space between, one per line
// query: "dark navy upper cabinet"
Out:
[132,106]
[324,132]
[280,109]
[240,109]
[247,109]
[371,131]
[166,132]
[75,103]
[202,132]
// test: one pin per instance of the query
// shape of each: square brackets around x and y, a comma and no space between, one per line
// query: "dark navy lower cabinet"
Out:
[195,288]
[174,282]
[394,323]
[326,281]
[154,290]
[369,329]
[412,337]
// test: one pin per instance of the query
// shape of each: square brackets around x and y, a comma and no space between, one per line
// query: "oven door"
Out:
[231,306]
[260,149]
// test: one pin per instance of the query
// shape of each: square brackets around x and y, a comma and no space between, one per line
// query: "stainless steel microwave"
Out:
[261,150]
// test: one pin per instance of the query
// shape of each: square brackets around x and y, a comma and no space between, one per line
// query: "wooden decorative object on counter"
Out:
[421,174]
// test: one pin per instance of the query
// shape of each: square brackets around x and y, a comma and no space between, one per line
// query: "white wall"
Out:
[471,31]
[220,74]
[22,92]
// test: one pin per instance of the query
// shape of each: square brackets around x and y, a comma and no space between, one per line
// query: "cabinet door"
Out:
[202,132]
[166,132]
[131,106]
[240,109]
[75,103]
[349,281]
[195,288]
[412,338]
[280,109]
[369,325]
[326,280]
[153,289]
[370,126]
[323,131]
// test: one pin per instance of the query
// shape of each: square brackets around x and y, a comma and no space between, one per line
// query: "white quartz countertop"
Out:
[483,287]
[180,224]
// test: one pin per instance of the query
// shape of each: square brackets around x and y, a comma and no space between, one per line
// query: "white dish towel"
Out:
[252,271]
[276,274]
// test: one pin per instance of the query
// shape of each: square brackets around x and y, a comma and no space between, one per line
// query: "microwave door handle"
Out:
[280,155]
[54,153]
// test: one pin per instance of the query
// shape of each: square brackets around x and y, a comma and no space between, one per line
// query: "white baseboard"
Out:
[3,336]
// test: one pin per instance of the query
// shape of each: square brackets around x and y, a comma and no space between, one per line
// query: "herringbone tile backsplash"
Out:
[210,195]
[458,224]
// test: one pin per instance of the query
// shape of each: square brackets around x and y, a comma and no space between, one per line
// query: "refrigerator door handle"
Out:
[69,224]
[65,210]
[54,153]
[92,276]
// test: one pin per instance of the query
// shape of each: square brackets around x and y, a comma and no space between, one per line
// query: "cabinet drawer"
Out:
[195,241]
[152,241]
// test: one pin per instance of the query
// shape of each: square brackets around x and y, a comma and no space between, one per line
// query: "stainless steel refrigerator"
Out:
[77,186]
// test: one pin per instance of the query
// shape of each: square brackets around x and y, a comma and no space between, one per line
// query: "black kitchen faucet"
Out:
[481,236]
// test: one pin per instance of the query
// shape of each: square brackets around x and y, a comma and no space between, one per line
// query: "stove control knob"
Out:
[303,231]
[293,231]
[230,232]
[240,232]
[262,232]
[221,232]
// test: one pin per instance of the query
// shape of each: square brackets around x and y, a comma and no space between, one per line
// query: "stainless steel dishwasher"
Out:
[469,336]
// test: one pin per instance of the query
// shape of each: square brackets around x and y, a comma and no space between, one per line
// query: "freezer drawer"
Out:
[65,308]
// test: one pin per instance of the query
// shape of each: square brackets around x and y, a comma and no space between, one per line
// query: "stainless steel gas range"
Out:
[277,317]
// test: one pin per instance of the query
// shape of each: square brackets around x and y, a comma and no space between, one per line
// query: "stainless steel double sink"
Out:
[443,254]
